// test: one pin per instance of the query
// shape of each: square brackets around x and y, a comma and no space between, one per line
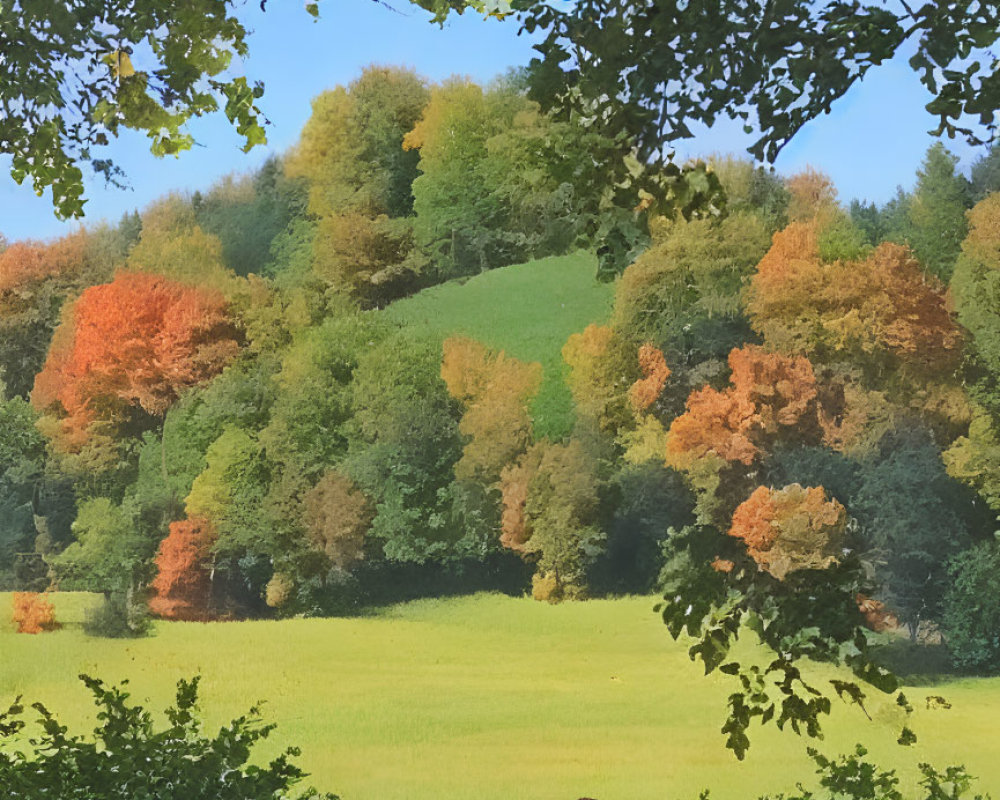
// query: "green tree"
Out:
[937,212]
[404,444]
[971,617]
[360,182]
[915,518]
[247,212]
[984,174]
[22,456]
[109,552]
[461,217]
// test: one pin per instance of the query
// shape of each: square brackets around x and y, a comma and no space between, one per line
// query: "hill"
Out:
[527,310]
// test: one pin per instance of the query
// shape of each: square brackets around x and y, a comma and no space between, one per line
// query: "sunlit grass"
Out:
[482,698]
[528,310]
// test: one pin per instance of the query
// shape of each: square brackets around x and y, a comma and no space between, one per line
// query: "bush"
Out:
[971,617]
[127,759]
[33,613]
[120,616]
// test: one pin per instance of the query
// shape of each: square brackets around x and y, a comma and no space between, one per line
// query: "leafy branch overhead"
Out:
[75,74]
[640,74]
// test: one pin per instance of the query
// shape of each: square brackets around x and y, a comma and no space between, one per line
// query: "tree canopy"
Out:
[640,74]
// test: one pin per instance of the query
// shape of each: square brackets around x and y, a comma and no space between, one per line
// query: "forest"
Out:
[210,410]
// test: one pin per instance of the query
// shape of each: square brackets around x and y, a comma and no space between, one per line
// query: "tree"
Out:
[125,352]
[791,528]
[914,518]
[109,552]
[35,279]
[22,454]
[937,212]
[684,293]
[404,444]
[182,584]
[600,372]
[551,504]
[360,182]
[128,758]
[976,282]
[971,616]
[461,217]
[984,174]
[879,311]
[495,390]
[811,195]
[247,212]
[771,397]
[337,517]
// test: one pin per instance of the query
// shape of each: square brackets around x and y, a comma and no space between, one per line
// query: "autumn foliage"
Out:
[337,515]
[881,306]
[790,529]
[182,584]
[811,195]
[26,262]
[131,346]
[495,390]
[771,395]
[644,392]
[33,613]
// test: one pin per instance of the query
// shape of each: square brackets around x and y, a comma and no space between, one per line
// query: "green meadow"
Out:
[484,697]
[527,310]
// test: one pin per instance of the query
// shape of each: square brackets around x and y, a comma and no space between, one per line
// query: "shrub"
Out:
[120,616]
[33,613]
[127,759]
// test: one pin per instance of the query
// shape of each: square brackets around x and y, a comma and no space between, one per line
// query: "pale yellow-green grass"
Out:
[483,698]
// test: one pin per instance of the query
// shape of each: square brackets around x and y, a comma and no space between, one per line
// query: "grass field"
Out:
[483,698]
[529,310]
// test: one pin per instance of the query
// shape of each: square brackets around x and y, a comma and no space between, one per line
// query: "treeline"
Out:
[205,407]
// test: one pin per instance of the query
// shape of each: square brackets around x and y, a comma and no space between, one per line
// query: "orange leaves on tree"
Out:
[33,613]
[131,347]
[495,390]
[644,392]
[789,529]
[182,584]
[26,262]
[881,306]
[515,480]
[771,396]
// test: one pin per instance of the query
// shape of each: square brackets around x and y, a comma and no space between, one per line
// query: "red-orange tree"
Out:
[126,350]
[770,395]
[722,434]
[182,585]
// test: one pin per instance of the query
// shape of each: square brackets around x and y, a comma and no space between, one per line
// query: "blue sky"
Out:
[872,141]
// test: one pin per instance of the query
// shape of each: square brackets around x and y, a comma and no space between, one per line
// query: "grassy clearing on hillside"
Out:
[529,310]
[482,698]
